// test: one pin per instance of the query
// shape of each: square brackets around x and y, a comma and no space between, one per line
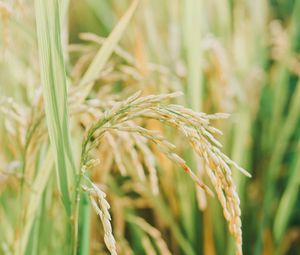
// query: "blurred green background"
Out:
[239,57]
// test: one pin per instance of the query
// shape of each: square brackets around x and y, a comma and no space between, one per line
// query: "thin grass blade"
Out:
[104,53]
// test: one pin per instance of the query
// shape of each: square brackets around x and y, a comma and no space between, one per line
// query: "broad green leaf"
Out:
[53,78]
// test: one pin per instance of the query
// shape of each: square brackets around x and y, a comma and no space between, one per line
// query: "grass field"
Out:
[149,127]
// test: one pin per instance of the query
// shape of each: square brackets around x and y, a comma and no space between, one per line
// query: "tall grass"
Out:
[95,134]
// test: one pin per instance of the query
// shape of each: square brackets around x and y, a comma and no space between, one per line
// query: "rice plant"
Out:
[127,126]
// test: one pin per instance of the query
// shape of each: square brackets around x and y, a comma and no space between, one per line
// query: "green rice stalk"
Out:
[281,93]
[288,199]
[275,163]
[38,188]
[192,36]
